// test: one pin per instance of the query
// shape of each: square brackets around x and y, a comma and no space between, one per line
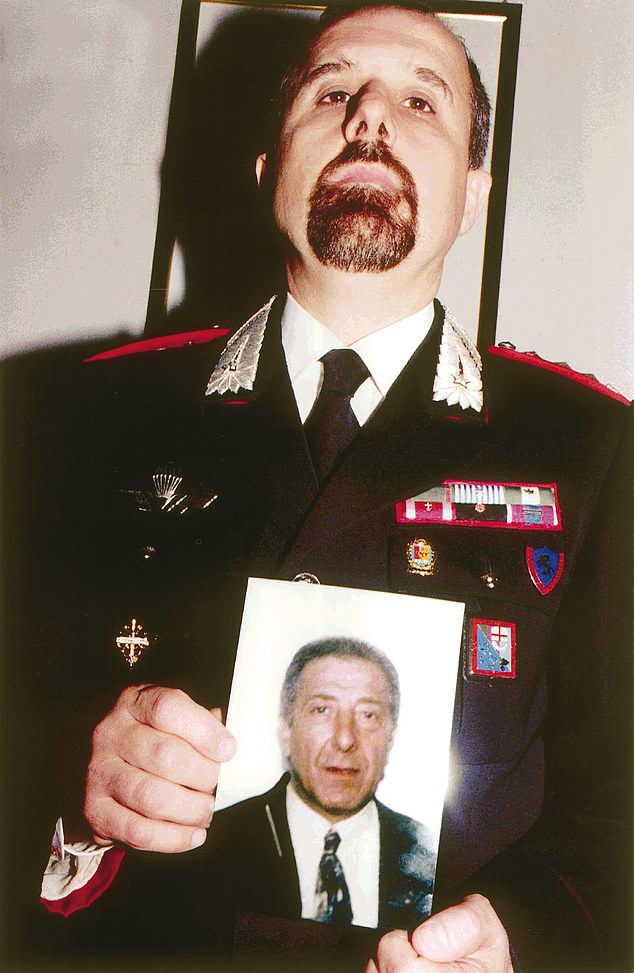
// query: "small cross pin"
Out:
[131,641]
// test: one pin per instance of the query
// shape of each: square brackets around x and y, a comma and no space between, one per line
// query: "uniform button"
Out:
[489,579]
[307,577]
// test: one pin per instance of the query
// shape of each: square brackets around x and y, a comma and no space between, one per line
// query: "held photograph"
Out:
[333,691]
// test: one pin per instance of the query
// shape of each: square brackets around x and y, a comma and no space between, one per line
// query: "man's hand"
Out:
[466,938]
[154,769]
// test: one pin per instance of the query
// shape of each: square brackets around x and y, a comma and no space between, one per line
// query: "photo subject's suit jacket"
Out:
[537,814]
[255,844]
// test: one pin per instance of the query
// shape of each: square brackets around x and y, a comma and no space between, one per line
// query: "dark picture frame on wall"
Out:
[217,256]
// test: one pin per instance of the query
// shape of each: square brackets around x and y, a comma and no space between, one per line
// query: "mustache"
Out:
[374,151]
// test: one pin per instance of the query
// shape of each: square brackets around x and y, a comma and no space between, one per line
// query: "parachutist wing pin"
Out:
[167,480]
[168,494]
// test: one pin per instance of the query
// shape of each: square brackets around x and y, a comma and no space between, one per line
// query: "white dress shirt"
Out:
[385,353]
[358,853]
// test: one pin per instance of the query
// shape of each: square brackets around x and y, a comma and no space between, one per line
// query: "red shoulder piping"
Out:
[162,343]
[532,358]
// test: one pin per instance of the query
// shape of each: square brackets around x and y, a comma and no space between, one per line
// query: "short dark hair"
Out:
[480,104]
[342,647]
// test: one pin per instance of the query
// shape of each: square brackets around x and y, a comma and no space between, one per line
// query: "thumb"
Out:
[459,931]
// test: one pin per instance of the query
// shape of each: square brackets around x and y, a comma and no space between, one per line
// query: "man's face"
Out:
[341,733]
[372,166]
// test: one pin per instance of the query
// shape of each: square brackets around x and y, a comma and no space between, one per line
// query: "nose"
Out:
[370,117]
[345,738]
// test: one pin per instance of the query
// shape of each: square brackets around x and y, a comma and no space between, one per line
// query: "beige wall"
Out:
[85,96]
[567,274]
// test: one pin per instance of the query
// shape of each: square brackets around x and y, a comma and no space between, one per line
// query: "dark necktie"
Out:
[332,424]
[332,888]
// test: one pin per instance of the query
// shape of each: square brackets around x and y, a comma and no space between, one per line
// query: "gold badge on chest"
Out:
[421,557]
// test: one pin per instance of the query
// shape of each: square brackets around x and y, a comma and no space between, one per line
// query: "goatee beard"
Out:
[360,227]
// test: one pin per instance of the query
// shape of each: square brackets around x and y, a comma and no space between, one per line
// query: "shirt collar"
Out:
[385,352]
[310,820]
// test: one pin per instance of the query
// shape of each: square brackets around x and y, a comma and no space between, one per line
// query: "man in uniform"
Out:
[350,432]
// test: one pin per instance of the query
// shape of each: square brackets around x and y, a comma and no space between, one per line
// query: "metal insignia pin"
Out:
[238,364]
[458,378]
[489,578]
[131,641]
[166,480]
[169,495]
[421,557]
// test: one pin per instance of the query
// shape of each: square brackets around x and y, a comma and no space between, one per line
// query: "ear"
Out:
[284,733]
[478,187]
[260,166]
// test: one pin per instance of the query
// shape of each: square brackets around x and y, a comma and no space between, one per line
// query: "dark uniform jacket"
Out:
[537,816]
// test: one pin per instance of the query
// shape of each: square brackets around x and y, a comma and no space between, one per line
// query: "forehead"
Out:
[394,39]
[343,676]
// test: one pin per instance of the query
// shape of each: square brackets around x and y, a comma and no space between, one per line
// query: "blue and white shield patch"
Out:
[493,648]
[545,567]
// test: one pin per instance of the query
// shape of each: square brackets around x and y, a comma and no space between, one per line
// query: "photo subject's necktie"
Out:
[332,424]
[332,888]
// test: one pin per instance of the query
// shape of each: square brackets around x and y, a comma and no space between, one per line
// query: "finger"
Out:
[168,757]
[395,953]
[158,799]
[173,711]
[99,840]
[120,824]
[456,932]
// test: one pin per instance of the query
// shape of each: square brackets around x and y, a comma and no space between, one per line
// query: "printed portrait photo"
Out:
[333,691]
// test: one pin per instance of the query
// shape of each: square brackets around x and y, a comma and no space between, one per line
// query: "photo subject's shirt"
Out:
[358,852]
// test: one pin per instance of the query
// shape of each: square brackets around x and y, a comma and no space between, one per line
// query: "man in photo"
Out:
[342,856]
